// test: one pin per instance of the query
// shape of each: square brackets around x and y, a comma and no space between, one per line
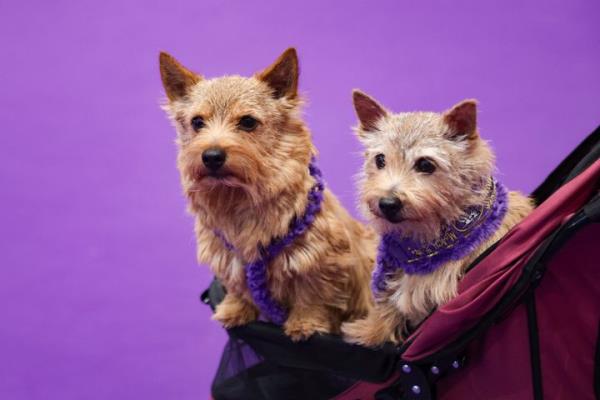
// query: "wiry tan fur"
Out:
[463,161]
[323,277]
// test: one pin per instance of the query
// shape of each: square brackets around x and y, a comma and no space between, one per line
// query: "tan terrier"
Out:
[244,155]
[427,187]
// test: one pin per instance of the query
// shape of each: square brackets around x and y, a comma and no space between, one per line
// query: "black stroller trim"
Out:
[327,353]
[576,162]
[534,346]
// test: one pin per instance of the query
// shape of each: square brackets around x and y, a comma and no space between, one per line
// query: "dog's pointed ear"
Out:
[462,120]
[367,109]
[176,79]
[282,75]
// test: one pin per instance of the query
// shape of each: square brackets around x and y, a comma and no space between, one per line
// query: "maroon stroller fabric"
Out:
[499,364]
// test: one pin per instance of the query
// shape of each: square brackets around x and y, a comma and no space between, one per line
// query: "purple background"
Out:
[99,286]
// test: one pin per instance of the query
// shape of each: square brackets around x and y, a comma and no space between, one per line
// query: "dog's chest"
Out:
[415,296]
[231,271]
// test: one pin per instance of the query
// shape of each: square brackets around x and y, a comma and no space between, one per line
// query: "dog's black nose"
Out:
[214,158]
[390,207]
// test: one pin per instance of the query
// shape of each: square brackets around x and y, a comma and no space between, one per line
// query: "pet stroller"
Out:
[525,325]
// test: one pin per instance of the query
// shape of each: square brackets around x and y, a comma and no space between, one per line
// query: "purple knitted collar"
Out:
[256,271]
[456,240]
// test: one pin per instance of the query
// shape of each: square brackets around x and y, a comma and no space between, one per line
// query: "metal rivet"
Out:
[416,389]
[435,370]
[455,364]
[406,369]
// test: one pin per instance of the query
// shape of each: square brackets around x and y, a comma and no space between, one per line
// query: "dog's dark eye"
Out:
[247,123]
[425,165]
[197,123]
[380,161]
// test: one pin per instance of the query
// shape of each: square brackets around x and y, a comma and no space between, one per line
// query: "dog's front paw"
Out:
[363,332]
[233,312]
[302,329]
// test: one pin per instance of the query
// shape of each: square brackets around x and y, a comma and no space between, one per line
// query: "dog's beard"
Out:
[222,192]
[210,181]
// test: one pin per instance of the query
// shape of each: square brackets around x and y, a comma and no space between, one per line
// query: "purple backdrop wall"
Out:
[99,287]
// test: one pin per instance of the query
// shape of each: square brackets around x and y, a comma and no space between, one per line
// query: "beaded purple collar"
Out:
[256,271]
[456,240]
